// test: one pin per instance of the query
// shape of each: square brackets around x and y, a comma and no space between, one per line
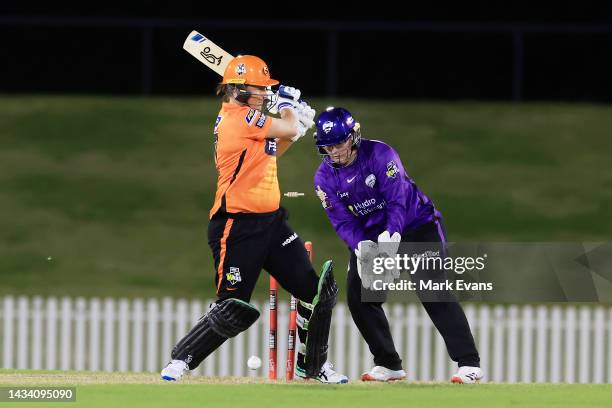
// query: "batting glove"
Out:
[286,97]
[306,115]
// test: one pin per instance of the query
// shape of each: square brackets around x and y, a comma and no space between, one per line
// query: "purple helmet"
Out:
[334,126]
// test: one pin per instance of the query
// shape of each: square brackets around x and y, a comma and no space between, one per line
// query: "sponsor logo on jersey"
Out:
[262,121]
[323,197]
[219,118]
[250,116]
[366,207]
[270,147]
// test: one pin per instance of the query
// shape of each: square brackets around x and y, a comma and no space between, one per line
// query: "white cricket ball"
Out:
[254,362]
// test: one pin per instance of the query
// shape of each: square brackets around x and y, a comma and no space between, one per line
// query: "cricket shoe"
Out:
[174,370]
[467,375]
[327,375]
[380,373]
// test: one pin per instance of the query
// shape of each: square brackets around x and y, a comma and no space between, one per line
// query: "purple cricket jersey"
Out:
[371,195]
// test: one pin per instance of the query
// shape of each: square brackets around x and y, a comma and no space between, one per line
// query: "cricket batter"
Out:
[372,202]
[248,229]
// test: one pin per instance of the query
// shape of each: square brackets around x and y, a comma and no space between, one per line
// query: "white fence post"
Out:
[167,334]
[570,344]
[80,337]
[22,332]
[599,334]
[66,334]
[51,333]
[541,348]
[584,346]
[138,347]
[497,362]
[556,354]
[152,333]
[527,344]
[37,333]
[123,335]
[94,334]
[513,344]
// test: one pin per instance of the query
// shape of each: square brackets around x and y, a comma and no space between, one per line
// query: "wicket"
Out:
[291,341]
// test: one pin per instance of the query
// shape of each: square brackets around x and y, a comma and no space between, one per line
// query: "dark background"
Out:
[558,51]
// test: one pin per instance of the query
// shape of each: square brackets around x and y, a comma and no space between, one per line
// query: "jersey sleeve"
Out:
[253,124]
[346,224]
[390,176]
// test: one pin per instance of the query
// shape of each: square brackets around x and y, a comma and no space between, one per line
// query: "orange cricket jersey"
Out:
[246,162]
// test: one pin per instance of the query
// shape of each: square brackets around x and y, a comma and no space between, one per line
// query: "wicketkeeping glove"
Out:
[366,251]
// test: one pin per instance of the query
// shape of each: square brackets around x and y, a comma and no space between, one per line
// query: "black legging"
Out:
[448,317]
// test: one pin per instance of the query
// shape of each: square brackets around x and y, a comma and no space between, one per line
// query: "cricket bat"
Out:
[207,52]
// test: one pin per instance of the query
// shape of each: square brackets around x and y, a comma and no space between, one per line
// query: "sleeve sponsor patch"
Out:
[250,116]
[261,121]
[270,147]
[392,169]
[323,197]
[219,118]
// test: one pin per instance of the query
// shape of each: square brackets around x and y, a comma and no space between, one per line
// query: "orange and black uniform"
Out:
[248,229]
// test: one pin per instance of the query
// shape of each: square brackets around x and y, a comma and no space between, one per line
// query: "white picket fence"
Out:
[517,344]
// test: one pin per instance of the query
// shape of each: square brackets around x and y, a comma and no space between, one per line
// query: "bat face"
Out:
[207,52]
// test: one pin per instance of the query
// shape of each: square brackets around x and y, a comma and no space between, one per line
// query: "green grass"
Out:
[146,390]
[117,190]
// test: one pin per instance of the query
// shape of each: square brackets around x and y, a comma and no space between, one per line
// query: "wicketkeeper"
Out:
[373,204]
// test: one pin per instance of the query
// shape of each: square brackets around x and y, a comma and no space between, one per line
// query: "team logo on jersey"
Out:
[233,276]
[250,116]
[323,197]
[370,180]
[240,69]
[392,169]
[270,147]
[327,126]
[261,121]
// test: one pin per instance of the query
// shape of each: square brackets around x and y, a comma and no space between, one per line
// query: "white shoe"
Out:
[174,370]
[327,375]
[467,375]
[380,373]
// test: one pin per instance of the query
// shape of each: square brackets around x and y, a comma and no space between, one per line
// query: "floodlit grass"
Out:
[116,191]
[146,390]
